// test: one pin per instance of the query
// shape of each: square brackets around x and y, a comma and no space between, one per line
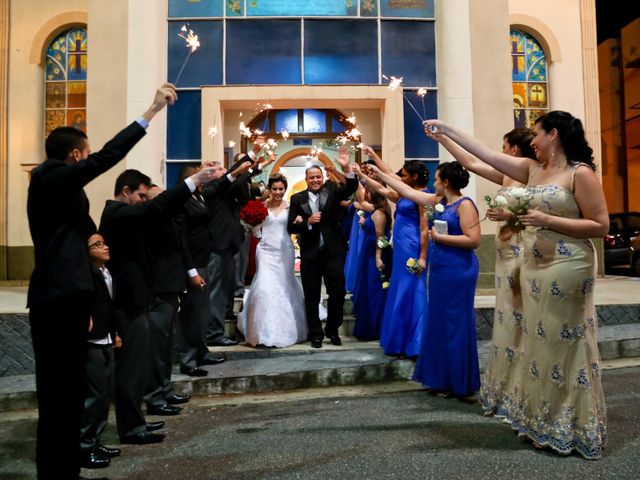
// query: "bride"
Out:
[273,313]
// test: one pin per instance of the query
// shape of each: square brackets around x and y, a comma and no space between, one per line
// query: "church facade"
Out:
[310,69]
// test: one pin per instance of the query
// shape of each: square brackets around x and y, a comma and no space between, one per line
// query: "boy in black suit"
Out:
[101,341]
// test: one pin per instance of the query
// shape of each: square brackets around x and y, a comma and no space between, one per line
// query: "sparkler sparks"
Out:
[394,82]
[422,92]
[192,44]
[213,131]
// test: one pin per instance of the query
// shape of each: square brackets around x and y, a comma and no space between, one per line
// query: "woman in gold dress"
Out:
[502,370]
[558,400]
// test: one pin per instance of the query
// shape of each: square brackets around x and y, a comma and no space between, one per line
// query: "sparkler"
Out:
[192,43]
[422,92]
[395,83]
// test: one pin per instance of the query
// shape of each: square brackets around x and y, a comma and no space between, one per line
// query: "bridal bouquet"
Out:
[253,214]
[384,280]
[383,242]
[413,266]
[429,211]
[520,207]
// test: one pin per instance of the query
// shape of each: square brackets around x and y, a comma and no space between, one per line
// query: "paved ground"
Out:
[389,431]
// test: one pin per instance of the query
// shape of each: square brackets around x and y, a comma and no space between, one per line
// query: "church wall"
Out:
[25,120]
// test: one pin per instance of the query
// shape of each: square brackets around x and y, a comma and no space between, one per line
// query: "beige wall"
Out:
[127,64]
[26,97]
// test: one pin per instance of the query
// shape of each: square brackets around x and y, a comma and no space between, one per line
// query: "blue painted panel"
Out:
[416,143]
[173,170]
[315,121]
[191,9]
[340,52]
[287,120]
[204,66]
[298,8]
[409,51]
[336,126]
[408,8]
[183,127]
[263,52]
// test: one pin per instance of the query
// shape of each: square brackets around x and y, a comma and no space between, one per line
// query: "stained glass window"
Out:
[529,79]
[66,81]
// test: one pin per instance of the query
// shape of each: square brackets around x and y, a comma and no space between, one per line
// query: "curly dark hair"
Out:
[455,173]
[571,133]
[418,168]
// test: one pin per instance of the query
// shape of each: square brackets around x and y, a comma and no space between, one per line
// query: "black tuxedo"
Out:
[169,281]
[224,200]
[125,229]
[326,260]
[60,297]
[194,306]
[99,366]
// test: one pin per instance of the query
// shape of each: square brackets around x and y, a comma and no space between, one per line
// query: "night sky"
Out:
[612,15]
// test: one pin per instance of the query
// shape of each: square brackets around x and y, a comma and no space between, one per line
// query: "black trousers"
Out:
[59,330]
[331,269]
[192,320]
[132,371]
[162,316]
[99,391]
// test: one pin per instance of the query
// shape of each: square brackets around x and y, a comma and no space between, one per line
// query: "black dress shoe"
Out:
[165,410]
[142,438]
[151,426]
[335,340]
[107,451]
[223,342]
[178,399]
[193,371]
[211,360]
[94,460]
[316,342]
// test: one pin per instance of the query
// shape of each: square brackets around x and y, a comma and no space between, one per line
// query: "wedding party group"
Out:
[111,295]
[412,276]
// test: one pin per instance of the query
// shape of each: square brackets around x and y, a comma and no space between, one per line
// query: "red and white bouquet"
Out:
[253,214]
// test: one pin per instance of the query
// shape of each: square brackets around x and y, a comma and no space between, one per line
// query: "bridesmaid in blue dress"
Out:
[448,362]
[375,260]
[355,240]
[405,308]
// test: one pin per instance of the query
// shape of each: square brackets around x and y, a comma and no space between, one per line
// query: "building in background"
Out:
[486,66]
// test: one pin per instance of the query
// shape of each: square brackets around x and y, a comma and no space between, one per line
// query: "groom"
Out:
[314,216]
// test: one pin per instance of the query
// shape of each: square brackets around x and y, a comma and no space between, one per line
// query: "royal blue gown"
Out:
[449,355]
[370,301]
[406,296]
[351,261]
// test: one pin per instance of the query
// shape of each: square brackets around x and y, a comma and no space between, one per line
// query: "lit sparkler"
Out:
[212,132]
[422,92]
[192,44]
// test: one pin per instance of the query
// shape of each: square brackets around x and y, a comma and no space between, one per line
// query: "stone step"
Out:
[300,367]
[281,373]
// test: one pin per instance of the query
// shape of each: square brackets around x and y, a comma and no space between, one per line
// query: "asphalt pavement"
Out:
[385,431]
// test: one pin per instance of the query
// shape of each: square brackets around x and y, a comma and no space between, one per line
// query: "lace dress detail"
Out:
[503,365]
[273,313]
[559,401]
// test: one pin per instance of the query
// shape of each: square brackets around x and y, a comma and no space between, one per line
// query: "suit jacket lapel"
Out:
[324,196]
[305,203]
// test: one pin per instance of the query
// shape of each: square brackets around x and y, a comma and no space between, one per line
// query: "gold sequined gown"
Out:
[502,370]
[559,400]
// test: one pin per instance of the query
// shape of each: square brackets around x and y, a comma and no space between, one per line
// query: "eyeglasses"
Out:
[98,244]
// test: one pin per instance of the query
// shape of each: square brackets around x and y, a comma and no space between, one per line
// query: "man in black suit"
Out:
[224,199]
[168,280]
[314,216]
[194,304]
[61,287]
[124,223]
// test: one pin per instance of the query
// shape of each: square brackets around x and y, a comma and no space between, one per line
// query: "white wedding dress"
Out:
[273,313]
